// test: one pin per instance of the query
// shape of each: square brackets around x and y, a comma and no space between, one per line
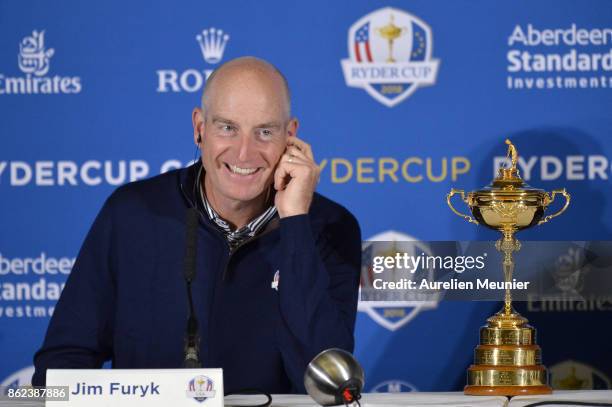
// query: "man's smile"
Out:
[243,171]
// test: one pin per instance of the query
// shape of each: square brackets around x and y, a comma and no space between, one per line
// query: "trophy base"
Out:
[472,390]
[507,362]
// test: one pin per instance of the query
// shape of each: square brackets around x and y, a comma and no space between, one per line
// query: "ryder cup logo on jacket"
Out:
[201,388]
[390,55]
[34,61]
[275,280]
[211,42]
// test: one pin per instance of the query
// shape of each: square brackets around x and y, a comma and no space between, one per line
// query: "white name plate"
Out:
[138,387]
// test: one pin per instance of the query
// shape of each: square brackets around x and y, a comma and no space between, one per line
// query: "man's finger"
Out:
[296,152]
[302,145]
[295,159]
[279,176]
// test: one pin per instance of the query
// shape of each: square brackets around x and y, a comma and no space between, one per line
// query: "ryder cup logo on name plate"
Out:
[390,55]
[201,388]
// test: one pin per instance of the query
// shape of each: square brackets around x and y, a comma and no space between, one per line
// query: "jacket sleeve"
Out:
[318,290]
[79,335]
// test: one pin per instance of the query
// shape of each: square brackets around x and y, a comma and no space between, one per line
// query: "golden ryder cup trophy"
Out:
[508,361]
[391,32]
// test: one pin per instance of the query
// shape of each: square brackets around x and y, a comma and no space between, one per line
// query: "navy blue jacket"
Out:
[125,299]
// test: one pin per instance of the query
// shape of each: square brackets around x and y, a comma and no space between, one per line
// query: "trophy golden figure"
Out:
[507,361]
[391,32]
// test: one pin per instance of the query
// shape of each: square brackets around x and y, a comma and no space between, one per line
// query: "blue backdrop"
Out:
[95,94]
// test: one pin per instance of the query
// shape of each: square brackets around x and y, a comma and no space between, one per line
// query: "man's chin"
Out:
[248,196]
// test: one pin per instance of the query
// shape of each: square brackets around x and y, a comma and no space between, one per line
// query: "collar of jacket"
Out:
[187,179]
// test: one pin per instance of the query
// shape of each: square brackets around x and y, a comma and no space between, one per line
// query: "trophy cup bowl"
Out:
[507,361]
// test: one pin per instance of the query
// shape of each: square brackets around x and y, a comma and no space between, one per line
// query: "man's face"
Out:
[243,136]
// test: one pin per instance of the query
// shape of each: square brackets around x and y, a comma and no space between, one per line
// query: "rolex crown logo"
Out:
[212,44]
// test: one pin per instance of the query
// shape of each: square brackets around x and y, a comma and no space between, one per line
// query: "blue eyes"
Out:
[264,134]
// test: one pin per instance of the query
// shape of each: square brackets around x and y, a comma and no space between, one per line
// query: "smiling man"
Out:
[277,267]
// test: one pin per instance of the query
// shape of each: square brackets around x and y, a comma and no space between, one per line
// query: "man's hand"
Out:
[295,179]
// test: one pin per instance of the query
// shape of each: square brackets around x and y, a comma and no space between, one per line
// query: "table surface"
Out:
[381,400]
[416,399]
[597,396]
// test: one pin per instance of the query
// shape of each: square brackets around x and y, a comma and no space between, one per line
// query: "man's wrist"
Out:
[286,214]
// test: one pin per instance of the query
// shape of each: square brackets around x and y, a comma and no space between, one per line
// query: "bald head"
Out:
[247,73]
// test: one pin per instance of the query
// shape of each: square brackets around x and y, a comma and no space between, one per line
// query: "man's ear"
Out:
[197,119]
[292,127]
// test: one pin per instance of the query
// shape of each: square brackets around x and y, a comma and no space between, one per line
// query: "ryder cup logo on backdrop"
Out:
[22,377]
[34,60]
[390,314]
[201,388]
[574,375]
[390,55]
[212,43]
[393,386]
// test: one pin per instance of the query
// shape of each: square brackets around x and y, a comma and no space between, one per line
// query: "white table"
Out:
[381,400]
[404,399]
[601,396]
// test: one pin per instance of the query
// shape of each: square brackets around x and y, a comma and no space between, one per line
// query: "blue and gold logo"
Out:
[390,55]
[201,388]
[396,313]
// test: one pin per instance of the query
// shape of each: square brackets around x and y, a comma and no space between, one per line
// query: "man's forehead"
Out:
[244,77]
[252,101]
[255,83]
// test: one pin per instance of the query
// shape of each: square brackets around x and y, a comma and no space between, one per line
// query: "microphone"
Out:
[334,377]
[191,353]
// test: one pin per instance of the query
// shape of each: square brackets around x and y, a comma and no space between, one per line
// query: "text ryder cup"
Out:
[64,172]
[339,169]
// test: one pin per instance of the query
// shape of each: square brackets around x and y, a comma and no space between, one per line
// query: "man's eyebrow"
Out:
[269,125]
[219,119]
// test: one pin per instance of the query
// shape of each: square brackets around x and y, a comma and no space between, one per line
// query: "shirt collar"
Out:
[234,237]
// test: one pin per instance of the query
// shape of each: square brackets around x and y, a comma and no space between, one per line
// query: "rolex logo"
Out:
[212,44]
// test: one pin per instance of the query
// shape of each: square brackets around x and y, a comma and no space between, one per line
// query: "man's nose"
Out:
[245,148]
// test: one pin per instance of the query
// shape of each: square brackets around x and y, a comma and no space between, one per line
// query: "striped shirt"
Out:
[235,237]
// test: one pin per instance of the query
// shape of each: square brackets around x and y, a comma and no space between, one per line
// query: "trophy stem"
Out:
[390,59]
[508,244]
